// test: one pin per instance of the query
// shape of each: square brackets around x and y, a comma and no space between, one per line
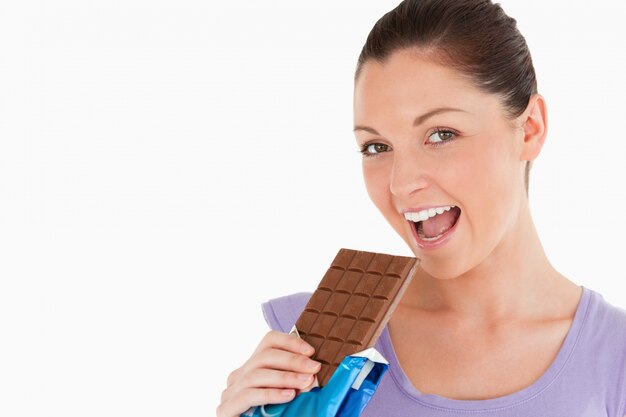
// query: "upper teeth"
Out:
[426,214]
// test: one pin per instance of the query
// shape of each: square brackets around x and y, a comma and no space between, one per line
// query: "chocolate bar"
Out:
[352,304]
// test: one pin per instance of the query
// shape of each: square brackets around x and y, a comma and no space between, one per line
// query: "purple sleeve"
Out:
[281,313]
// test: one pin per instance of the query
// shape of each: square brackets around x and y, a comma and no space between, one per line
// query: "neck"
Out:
[515,281]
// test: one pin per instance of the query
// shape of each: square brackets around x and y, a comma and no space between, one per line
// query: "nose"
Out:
[408,175]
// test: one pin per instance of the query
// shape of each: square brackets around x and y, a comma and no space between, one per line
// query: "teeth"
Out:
[426,214]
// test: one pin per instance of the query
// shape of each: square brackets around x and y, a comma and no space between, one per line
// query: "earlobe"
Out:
[535,127]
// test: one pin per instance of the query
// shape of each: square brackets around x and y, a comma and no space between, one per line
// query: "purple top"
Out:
[586,379]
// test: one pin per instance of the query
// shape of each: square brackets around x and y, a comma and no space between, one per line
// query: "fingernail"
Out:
[287,392]
[307,350]
[313,365]
[305,377]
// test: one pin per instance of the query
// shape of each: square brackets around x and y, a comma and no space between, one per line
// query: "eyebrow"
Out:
[418,120]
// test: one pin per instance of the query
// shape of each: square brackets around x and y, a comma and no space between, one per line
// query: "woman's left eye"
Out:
[442,135]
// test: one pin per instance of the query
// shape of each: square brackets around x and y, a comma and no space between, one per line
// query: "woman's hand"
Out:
[279,366]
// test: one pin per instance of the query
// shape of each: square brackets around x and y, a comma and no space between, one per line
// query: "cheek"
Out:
[377,185]
[376,180]
[374,183]
[488,181]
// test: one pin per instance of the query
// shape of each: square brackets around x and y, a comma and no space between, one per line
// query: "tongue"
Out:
[440,223]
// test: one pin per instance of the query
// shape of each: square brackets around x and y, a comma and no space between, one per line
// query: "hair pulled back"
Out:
[474,37]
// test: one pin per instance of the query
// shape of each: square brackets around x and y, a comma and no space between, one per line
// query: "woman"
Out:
[448,119]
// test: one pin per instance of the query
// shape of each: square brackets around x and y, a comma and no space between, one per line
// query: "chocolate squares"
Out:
[352,304]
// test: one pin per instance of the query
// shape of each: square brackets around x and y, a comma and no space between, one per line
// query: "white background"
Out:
[166,166]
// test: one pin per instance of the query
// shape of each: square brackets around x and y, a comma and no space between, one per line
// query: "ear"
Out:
[535,126]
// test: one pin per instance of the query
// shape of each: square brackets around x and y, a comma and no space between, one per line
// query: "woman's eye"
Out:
[373,149]
[441,135]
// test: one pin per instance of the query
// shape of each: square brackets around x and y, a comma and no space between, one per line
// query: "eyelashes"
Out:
[366,154]
[373,149]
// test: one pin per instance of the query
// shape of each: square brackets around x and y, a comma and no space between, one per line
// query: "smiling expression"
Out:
[429,137]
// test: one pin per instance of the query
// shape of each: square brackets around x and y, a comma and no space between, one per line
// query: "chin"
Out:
[439,270]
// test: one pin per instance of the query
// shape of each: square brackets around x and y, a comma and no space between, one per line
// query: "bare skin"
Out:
[279,367]
[487,313]
[456,357]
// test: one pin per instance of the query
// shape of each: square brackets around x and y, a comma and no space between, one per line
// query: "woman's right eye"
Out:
[372,149]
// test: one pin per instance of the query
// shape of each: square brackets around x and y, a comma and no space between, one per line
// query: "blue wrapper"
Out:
[345,395]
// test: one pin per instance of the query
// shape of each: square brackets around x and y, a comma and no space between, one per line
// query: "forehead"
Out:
[410,83]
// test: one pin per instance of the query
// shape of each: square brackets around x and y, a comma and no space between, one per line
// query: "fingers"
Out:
[262,386]
[279,367]
[284,341]
[232,377]
[279,359]
[270,378]
[250,397]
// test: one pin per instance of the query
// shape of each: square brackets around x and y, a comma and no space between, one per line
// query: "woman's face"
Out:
[477,167]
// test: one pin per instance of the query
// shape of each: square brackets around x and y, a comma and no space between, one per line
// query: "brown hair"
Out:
[475,37]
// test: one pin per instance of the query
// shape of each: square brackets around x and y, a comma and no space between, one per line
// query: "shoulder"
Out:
[606,315]
[605,324]
[281,313]
[609,323]
[604,337]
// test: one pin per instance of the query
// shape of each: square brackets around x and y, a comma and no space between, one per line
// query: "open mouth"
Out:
[438,228]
